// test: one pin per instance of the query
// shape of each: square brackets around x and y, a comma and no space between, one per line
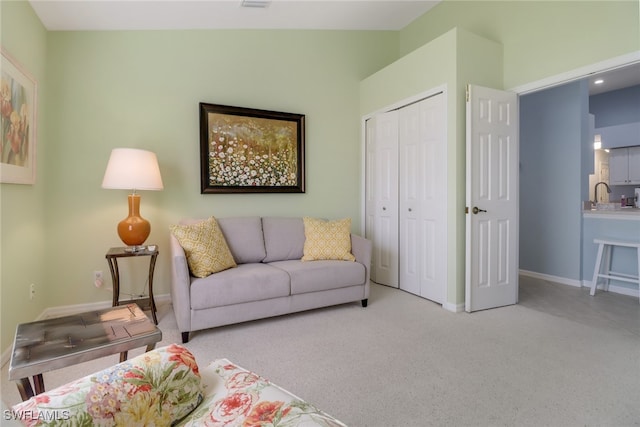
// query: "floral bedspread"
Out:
[153,389]
[164,387]
[237,397]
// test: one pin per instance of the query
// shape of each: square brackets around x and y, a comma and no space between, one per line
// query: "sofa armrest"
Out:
[180,285]
[361,249]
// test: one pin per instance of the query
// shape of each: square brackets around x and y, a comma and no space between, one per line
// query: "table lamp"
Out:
[133,169]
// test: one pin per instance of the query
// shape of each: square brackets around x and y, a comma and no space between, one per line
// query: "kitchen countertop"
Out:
[620,213]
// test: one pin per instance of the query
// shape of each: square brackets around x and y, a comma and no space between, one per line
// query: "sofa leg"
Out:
[185,337]
[364,302]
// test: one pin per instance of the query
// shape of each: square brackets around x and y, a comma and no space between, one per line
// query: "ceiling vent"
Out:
[260,4]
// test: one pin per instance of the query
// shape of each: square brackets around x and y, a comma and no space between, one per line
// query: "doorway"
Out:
[554,129]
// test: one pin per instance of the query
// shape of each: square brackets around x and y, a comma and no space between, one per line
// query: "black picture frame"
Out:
[246,150]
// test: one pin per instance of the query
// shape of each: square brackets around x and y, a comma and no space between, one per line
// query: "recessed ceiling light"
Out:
[255,3]
[598,82]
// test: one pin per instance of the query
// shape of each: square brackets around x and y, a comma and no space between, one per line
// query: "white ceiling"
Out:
[73,15]
[615,79]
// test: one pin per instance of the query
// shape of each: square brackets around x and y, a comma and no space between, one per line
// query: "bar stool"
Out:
[605,247]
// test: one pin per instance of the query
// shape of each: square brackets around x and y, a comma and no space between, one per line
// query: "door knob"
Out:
[476,210]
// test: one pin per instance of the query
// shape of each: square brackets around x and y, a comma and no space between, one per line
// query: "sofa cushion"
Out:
[283,238]
[204,246]
[247,282]
[244,237]
[321,275]
[156,388]
[327,239]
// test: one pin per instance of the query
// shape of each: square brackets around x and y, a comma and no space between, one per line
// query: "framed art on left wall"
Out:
[17,123]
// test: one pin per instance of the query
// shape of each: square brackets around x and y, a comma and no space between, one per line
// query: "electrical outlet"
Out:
[32,291]
[97,278]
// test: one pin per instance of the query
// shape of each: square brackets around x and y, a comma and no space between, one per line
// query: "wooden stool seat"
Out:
[604,257]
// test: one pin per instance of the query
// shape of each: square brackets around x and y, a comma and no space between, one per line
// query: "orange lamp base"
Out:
[134,230]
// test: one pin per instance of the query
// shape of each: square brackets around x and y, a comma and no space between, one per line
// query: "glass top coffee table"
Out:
[49,344]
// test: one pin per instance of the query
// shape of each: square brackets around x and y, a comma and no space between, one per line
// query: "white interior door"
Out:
[492,199]
[382,196]
[423,219]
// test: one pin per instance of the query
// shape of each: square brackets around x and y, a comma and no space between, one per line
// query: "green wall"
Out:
[142,89]
[23,236]
[100,90]
[540,38]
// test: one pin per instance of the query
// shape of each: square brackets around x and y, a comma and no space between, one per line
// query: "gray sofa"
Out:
[270,279]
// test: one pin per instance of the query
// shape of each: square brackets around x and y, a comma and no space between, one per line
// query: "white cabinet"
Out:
[624,166]
[410,242]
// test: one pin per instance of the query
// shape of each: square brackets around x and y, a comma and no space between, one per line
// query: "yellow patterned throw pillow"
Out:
[205,247]
[327,239]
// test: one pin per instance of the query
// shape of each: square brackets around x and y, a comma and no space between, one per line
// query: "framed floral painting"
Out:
[244,150]
[17,123]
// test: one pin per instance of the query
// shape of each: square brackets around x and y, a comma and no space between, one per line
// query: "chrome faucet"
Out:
[595,191]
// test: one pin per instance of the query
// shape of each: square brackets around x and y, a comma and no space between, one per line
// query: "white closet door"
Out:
[409,191]
[434,198]
[423,201]
[382,196]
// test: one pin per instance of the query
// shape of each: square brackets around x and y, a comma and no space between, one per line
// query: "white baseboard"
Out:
[454,308]
[66,310]
[5,357]
[581,283]
[550,278]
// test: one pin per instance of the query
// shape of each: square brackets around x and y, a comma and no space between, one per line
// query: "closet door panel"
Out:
[370,191]
[430,179]
[382,200]
[409,191]
[433,200]
[428,237]
[410,258]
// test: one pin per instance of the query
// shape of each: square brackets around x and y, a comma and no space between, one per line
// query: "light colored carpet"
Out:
[559,358]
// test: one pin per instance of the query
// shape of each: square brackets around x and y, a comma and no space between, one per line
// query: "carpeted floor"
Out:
[558,358]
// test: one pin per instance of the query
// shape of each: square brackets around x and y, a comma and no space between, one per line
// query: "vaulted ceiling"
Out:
[229,14]
[75,15]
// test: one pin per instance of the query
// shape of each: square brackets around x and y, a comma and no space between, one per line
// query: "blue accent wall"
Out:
[553,132]
[616,107]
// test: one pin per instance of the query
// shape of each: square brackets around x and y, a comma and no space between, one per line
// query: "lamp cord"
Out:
[138,295]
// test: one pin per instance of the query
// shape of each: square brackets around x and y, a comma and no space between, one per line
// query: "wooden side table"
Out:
[125,252]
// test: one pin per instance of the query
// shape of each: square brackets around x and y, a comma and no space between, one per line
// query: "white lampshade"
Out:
[132,169]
